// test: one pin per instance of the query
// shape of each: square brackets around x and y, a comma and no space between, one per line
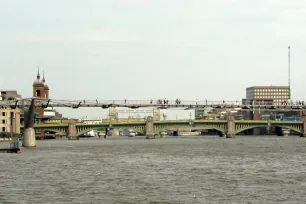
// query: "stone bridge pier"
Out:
[231,132]
[149,128]
[72,130]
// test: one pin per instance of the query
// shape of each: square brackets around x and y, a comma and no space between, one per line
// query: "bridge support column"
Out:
[304,125]
[230,127]
[72,131]
[149,128]
[163,134]
[113,132]
[29,139]
[285,132]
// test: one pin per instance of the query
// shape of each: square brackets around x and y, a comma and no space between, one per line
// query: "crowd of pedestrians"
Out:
[301,103]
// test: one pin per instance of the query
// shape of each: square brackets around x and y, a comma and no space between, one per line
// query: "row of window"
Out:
[271,90]
[274,97]
[265,93]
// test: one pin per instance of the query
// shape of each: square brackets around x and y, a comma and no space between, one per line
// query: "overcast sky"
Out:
[142,49]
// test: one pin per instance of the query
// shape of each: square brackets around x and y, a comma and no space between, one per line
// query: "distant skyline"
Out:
[140,50]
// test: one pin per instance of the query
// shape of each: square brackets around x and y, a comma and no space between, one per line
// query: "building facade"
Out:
[10,95]
[201,113]
[134,114]
[10,120]
[267,94]
[9,117]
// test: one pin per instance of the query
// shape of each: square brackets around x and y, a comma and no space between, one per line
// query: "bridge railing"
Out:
[151,102]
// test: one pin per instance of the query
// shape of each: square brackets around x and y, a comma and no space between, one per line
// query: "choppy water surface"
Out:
[169,170]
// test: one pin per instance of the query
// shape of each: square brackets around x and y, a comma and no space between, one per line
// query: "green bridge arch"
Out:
[56,131]
[104,129]
[222,131]
[272,125]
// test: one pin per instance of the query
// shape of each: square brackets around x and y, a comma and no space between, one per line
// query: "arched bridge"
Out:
[228,127]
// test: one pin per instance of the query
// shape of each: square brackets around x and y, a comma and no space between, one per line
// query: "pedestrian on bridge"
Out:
[124,100]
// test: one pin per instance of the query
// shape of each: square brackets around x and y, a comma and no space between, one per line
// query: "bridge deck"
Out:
[146,103]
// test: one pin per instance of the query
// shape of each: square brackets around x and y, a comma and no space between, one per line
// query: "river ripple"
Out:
[169,170]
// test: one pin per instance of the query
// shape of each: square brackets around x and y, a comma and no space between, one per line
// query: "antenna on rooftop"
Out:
[289,72]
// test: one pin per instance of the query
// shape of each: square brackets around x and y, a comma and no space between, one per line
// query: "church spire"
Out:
[44,80]
[38,75]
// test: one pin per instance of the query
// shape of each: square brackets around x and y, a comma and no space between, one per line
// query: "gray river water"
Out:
[169,170]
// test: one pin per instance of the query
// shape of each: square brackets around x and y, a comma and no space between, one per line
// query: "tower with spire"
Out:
[46,87]
[40,90]
[40,87]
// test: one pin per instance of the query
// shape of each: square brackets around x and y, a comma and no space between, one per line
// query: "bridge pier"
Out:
[285,132]
[29,139]
[149,128]
[230,127]
[72,130]
[163,134]
[113,132]
[304,124]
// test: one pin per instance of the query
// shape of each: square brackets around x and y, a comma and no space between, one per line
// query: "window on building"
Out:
[3,129]
[3,121]
[3,113]
[38,93]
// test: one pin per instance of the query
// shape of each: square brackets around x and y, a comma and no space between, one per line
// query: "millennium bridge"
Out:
[133,104]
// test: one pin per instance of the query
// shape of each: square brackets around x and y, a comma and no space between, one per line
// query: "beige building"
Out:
[268,94]
[10,95]
[9,120]
[9,117]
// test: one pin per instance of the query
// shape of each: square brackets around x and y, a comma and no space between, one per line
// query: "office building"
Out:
[9,117]
[267,94]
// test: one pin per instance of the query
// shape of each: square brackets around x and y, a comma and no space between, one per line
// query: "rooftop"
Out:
[268,87]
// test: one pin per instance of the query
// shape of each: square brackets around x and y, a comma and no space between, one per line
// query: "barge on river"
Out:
[9,142]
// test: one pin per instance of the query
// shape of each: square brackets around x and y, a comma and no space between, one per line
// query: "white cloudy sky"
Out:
[142,49]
